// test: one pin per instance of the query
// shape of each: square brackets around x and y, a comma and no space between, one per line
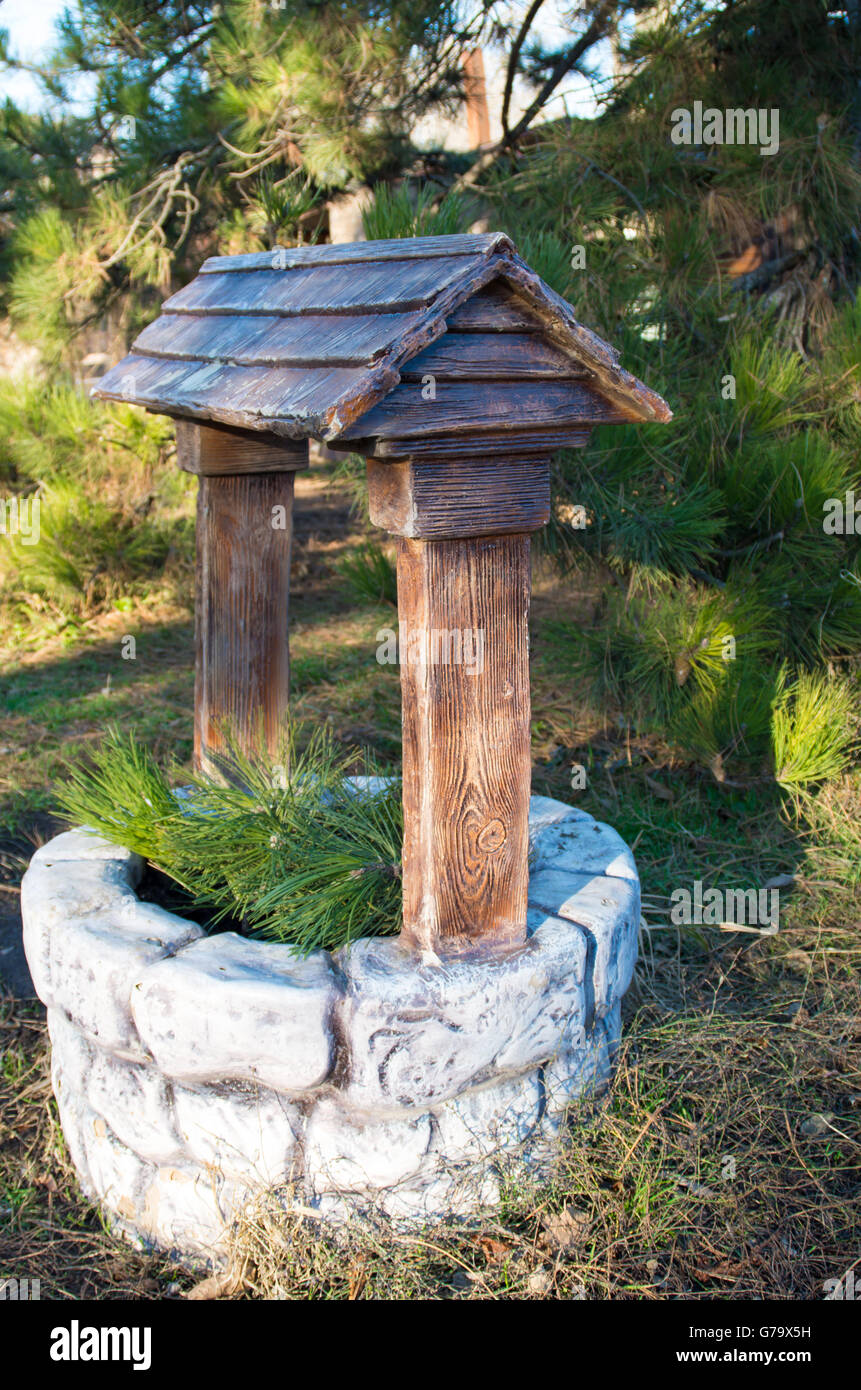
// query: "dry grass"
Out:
[48,1231]
[704,1175]
[724,1165]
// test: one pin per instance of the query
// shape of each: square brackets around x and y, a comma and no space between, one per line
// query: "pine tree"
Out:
[303,859]
[729,281]
[209,127]
[225,127]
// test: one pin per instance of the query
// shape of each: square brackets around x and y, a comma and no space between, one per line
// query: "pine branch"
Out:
[309,861]
[597,30]
[513,59]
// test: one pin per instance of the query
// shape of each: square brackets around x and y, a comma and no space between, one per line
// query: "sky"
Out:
[30,25]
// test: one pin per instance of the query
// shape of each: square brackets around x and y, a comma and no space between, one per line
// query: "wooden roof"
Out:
[334,341]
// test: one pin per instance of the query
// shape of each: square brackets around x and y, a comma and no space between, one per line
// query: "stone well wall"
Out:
[193,1072]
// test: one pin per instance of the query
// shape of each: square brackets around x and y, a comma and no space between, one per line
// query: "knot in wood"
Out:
[491,837]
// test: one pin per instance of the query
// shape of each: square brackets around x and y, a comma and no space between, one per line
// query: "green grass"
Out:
[730,1041]
[370,575]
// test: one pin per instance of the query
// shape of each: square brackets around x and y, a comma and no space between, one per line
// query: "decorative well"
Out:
[405,1078]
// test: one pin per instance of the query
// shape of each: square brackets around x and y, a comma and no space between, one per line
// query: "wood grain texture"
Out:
[324,289]
[459,408]
[489,356]
[214,450]
[355,252]
[300,370]
[242,668]
[519,443]
[562,328]
[466,744]
[313,340]
[290,401]
[495,309]
[446,499]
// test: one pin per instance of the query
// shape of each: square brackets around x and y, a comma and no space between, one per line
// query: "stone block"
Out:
[133,1097]
[178,1208]
[246,1132]
[226,1008]
[87,938]
[544,811]
[582,1072]
[584,846]
[194,1074]
[83,844]
[417,1034]
[481,1122]
[458,1194]
[346,1151]
[608,909]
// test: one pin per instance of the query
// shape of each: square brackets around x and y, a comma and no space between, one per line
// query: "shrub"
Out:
[303,858]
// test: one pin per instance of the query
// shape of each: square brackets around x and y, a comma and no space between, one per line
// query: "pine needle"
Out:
[301,857]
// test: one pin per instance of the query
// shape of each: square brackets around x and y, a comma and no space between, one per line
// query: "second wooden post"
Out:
[463,647]
[244,536]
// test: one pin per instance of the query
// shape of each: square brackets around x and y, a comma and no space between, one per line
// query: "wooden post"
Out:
[463,610]
[244,536]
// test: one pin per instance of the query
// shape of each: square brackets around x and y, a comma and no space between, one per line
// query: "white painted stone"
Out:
[188,1214]
[65,1066]
[246,1132]
[582,1072]
[609,909]
[52,893]
[110,1172]
[179,1208]
[586,847]
[418,1034]
[481,1122]
[83,844]
[136,1101]
[86,965]
[226,1008]
[544,811]
[191,1210]
[119,1175]
[450,1075]
[371,786]
[547,1020]
[457,1194]
[69,1043]
[134,1098]
[346,1151]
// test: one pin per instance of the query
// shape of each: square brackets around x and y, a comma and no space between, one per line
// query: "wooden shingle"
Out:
[337,341]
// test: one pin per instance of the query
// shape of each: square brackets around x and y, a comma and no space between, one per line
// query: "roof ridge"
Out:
[346,252]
